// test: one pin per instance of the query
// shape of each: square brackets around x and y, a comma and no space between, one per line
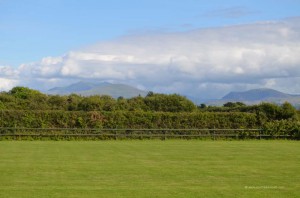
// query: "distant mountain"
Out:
[88,88]
[74,88]
[256,94]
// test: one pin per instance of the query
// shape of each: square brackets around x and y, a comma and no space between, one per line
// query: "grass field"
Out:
[173,168]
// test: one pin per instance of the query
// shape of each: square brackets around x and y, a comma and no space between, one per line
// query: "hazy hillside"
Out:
[73,88]
[88,88]
[256,96]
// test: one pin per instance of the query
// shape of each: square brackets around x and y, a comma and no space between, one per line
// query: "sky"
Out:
[203,49]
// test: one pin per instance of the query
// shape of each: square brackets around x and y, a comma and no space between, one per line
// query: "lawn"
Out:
[152,168]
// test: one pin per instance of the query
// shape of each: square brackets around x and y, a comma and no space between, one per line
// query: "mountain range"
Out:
[256,96]
[103,88]
[253,96]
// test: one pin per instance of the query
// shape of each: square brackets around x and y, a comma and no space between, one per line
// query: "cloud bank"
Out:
[204,63]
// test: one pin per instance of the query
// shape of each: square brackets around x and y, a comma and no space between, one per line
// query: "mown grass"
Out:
[172,168]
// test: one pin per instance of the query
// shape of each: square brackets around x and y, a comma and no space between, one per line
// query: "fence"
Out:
[96,133]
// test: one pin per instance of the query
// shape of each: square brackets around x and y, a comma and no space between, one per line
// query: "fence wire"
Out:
[97,133]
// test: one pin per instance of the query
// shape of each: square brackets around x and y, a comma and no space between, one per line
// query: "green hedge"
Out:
[126,119]
[282,128]
[149,120]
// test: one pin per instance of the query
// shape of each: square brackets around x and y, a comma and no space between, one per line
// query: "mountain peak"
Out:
[256,94]
[104,88]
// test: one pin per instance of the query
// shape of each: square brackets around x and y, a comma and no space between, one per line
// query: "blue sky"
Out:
[33,29]
[191,47]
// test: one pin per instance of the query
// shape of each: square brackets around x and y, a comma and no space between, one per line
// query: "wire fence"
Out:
[97,133]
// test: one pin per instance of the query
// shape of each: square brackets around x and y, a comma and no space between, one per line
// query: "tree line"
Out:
[22,98]
[24,107]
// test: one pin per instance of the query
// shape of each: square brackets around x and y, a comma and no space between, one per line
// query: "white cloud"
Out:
[8,78]
[7,71]
[6,84]
[205,62]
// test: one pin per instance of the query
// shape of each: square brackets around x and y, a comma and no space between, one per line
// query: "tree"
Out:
[271,111]
[29,98]
[202,106]
[240,104]
[91,103]
[234,104]
[150,93]
[73,101]
[288,111]
[122,104]
[108,103]
[137,104]
[229,104]
[169,103]
[57,102]
[24,92]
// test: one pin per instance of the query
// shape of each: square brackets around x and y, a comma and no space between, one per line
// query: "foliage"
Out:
[24,107]
[22,98]
[288,111]
[24,93]
[282,128]
[265,111]
[125,119]
[234,104]
[169,103]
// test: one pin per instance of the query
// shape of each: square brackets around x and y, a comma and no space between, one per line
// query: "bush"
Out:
[287,128]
